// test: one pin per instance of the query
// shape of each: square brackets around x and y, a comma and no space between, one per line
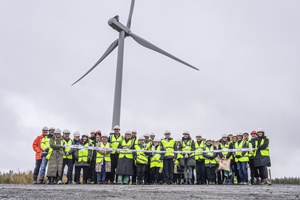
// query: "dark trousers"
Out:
[140,172]
[134,174]
[200,172]
[148,178]
[263,172]
[253,171]
[69,164]
[114,164]
[211,173]
[91,171]
[154,172]
[85,173]
[37,167]
[168,170]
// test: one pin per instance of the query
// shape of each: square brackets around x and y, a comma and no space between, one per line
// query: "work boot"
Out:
[41,181]
[186,181]
[34,179]
[257,181]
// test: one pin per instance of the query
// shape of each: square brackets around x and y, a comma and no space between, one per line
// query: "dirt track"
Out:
[148,192]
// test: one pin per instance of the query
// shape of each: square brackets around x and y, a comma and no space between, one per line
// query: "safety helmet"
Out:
[128,133]
[45,128]
[104,135]
[117,127]
[198,135]
[224,135]
[152,134]
[260,130]
[66,131]
[141,138]
[156,140]
[76,134]
[57,131]
[253,132]
[146,135]
[167,132]
[185,133]
[51,129]
[133,131]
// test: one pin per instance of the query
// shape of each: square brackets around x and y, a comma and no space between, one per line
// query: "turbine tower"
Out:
[124,31]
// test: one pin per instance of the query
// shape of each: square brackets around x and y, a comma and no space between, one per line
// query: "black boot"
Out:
[186,181]
[41,181]
[34,179]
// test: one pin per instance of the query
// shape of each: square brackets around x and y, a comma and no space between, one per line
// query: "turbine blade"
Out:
[107,52]
[130,14]
[148,45]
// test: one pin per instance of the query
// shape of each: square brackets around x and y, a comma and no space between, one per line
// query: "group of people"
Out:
[128,159]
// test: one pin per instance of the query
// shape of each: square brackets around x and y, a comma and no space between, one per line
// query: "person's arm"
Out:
[54,146]
[220,153]
[35,144]
[215,154]
[229,153]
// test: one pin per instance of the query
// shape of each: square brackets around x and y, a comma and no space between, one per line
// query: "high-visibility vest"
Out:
[115,142]
[148,145]
[244,158]
[136,141]
[51,150]
[225,146]
[169,147]
[186,146]
[179,155]
[249,144]
[198,150]
[154,162]
[263,152]
[100,156]
[208,161]
[83,154]
[68,149]
[141,157]
[46,142]
[127,153]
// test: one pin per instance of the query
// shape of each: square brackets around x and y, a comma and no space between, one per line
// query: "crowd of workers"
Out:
[128,159]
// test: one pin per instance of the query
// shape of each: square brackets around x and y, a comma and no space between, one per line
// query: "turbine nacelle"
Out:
[118,26]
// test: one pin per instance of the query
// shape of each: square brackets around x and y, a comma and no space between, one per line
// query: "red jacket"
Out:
[36,146]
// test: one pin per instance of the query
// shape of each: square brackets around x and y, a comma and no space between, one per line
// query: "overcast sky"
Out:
[247,53]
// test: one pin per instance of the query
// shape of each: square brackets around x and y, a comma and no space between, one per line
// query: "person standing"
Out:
[115,141]
[169,157]
[210,162]
[187,145]
[253,170]
[76,141]
[37,148]
[141,160]
[200,166]
[135,141]
[45,147]
[262,156]
[55,158]
[125,160]
[226,155]
[103,161]
[83,157]
[68,156]
[156,161]
[148,146]
[241,159]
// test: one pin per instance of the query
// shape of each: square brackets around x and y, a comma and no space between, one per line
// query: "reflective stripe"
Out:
[115,142]
[169,147]
[198,149]
[99,156]
[244,158]
[208,161]
[127,153]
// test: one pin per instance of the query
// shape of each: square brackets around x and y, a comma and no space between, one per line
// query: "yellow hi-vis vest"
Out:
[263,152]
[225,146]
[127,153]
[115,142]
[186,146]
[148,145]
[198,150]
[169,147]
[141,157]
[45,142]
[68,149]
[244,158]
[83,154]
[208,161]
[100,156]
[51,150]
[154,162]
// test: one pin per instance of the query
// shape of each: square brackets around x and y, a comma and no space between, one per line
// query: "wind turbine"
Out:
[124,31]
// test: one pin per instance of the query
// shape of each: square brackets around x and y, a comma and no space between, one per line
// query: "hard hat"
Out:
[239,133]
[186,133]
[156,140]
[141,138]
[224,135]
[66,131]
[133,131]
[57,131]
[104,135]
[208,140]
[152,134]
[76,134]
[198,135]
[146,135]
[128,133]
[167,132]
[45,128]
[52,129]
[260,130]
[245,132]
[92,131]
[111,132]
[117,127]
[253,132]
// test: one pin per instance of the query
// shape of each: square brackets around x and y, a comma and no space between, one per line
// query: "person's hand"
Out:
[67,153]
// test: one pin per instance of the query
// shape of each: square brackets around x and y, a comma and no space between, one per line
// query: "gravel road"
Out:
[146,192]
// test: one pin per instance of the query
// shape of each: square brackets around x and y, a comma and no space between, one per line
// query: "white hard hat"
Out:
[117,127]
[198,135]
[239,133]
[45,128]
[186,133]
[260,130]
[133,131]
[141,138]
[146,135]
[224,135]
[167,132]
[51,129]
[66,131]
[156,140]
[57,131]
[76,134]
[111,132]
[152,134]
[104,135]
[128,133]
